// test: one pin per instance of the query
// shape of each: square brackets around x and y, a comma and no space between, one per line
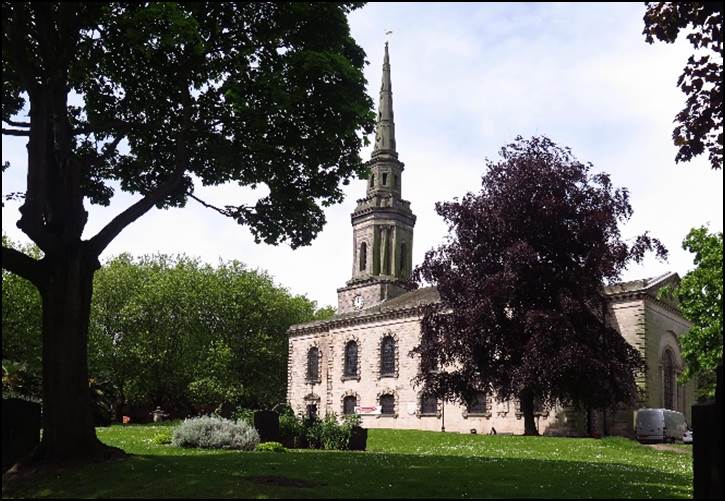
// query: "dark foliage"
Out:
[698,127]
[253,93]
[520,279]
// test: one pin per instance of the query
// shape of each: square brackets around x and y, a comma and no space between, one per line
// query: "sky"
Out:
[467,79]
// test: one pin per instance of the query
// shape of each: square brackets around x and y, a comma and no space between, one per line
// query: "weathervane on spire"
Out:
[387,35]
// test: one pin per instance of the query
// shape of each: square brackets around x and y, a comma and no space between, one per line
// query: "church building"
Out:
[359,361]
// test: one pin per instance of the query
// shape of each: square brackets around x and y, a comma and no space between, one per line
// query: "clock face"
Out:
[358,301]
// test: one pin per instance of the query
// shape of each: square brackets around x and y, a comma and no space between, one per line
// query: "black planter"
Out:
[267,424]
[21,430]
[358,438]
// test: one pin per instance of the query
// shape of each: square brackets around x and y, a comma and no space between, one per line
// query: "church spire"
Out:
[385,128]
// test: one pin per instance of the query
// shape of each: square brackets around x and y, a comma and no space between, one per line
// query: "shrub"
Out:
[211,432]
[270,447]
[290,429]
[162,438]
[334,436]
[312,432]
[244,414]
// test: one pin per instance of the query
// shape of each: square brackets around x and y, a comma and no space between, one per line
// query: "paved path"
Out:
[671,448]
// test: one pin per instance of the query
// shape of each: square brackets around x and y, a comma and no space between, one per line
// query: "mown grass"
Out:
[397,464]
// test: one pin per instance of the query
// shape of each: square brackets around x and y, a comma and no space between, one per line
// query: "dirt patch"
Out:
[282,481]
[670,448]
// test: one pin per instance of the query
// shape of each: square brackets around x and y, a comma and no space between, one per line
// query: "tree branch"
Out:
[23,265]
[104,237]
[15,123]
[228,210]
[15,132]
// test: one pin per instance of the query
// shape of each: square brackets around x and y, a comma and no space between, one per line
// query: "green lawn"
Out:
[397,464]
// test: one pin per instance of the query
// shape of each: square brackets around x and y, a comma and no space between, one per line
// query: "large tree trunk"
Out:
[68,419]
[527,409]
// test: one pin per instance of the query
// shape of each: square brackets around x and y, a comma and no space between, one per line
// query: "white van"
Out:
[659,425]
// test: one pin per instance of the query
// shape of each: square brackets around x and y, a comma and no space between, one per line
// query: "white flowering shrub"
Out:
[212,432]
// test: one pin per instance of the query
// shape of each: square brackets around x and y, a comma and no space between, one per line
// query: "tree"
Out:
[154,96]
[520,279]
[699,125]
[21,312]
[700,297]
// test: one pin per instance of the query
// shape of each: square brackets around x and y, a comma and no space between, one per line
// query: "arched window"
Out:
[428,405]
[363,256]
[403,256]
[668,366]
[350,359]
[477,404]
[313,364]
[387,404]
[372,180]
[348,405]
[387,356]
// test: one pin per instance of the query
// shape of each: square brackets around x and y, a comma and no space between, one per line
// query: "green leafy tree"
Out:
[698,127]
[174,332]
[254,93]
[700,293]
[21,318]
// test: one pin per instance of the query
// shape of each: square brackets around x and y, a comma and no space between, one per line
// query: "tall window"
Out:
[387,356]
[477,404]
[668,365]
[350,359]
[387,405]
[313,364]
[403,256]
[348,405]
[363,256]
[311,411]
[385,179]
[428,404]
[372,180]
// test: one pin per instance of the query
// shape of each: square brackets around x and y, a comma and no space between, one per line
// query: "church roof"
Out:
[639,286]
[401,304]
[413,300]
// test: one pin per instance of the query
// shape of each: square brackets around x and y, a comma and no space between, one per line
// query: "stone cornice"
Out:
[376,313]
[348,320]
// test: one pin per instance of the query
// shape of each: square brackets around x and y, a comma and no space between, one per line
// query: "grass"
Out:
[398,463]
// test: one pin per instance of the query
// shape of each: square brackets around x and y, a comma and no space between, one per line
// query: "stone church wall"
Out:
[643,322]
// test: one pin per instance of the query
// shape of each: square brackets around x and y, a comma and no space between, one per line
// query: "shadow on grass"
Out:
[313,474]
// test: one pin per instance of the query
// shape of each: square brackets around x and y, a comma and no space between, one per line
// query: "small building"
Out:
[359,362]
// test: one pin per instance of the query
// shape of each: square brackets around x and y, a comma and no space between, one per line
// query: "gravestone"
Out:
[358,438]
[267,424]
[21,430]
[707,446]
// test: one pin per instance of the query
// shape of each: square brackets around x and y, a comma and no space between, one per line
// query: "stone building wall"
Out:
[664,329]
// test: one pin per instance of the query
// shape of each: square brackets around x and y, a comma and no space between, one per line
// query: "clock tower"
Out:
[382,221]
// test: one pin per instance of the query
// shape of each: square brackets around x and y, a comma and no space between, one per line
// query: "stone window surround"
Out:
[488,400]
[677,371]
[419,412]
[348,393]
[314,344]
[503,408]
[346,340]
[396,345]
[396,400]
[311,399]
[360,243]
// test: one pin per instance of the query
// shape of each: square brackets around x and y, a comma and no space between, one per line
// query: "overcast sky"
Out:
[468,78]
